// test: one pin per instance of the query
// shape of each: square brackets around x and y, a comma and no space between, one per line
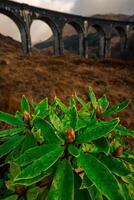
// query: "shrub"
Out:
[60,152]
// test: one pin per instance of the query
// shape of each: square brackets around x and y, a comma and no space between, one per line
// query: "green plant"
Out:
[60,152]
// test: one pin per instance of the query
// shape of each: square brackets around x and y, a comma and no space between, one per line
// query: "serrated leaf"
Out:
[34,153]
[25,105]
[10,119]
[103,102]
[63,183]
[40,165]
[74,151]
[47,131]
[12,132]
[115,165]
[102,145]
[92,98]
[11,144]
[42,108]
[116,109]
[102,129]
[101,176]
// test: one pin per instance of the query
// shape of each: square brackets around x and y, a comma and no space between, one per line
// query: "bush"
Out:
[60,152]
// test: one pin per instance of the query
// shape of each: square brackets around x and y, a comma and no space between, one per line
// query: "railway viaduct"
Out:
[23,15]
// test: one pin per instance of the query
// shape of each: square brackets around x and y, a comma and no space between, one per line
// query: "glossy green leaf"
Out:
[47,131]
[95,194]
[33,193]
[63,183]
[12,197]
[19,116]
[124,131]
[29,182]
[128,160]
[35,153]
[73,117]
[92,98]
[86,183]
[101,176]
[80,194]
[40,165]
[11,144]
[103,102]
[102,145]
[42,108]
[25,104]
[115,165]
[82,102]
[12,132]
[80,125]
[10,119]
[116,109]
[62,105]
[126,193]
[102,129]
[74,151]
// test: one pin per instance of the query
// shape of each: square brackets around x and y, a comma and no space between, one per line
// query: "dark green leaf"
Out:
[73,150]
[79,194]
[102,129]
[73,117]
[80,124]
[129,160]
[35,153]
[10,119]
[12,197]
[25,105]
[28,182]
[63,183]
[12,132]
[11,144]
[124,131]
[115,165]
[95,194]
[40,165]
[116,109]
[101,176]
[86,183]
[47,131]
[102,145]
[127,195]
[32,194]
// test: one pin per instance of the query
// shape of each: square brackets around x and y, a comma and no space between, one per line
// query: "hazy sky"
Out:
[82,7]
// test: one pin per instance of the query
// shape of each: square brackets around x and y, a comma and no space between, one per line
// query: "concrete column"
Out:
[107,47]
[101,46]
[58,44]
[85,46]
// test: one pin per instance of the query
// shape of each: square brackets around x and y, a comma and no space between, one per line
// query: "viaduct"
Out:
[23,15]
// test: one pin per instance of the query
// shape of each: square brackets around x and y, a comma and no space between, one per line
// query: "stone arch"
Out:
[20,25]
[54,30]
[121,34]
[80,32]
[100,38]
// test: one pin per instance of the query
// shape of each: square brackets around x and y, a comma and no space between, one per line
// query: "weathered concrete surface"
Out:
[24,15]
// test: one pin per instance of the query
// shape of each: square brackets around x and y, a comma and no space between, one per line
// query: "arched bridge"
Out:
[23,15]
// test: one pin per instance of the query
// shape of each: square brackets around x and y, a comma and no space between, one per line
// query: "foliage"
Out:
[59,152]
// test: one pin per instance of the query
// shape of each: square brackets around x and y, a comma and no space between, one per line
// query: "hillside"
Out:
[41,74]
[70,39]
